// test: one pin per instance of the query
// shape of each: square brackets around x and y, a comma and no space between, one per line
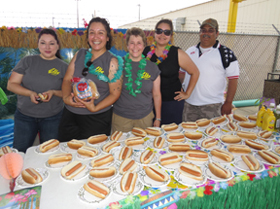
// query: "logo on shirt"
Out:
[53,71]
[146,76]
[99,69]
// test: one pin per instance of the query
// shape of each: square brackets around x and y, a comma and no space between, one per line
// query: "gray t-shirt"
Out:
[140,106]
[40,75]
[101,64]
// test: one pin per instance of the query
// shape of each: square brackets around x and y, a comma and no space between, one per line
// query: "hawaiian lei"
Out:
[101,76]
[161,57]
[128,68]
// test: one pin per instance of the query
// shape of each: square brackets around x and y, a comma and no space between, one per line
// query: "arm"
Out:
[114,88]
[227,106]
[188,65]
[157,100]
[14,85]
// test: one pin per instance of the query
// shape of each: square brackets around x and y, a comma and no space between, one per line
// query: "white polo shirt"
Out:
[212,80]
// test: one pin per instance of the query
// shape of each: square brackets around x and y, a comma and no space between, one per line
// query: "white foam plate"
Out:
[89,198]
[211,176]
[137,189]
[240,164]
[81,175]
[188,181]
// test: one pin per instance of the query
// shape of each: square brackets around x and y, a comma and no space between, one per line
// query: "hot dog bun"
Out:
[230,138]
[239,117]
[238,148]
[102,160]
[175,137]
[247,124]
[158,142]
[265,134]
[4,150]
[72,169]
[127,165]
[97,139]
[247,134]
[153,131]
[132,141]
[138,132]
[191,171]
[147,156]
[197,155]
[179,147]
[277,149]
[43,96]
[75,144]
[59,158]
[222,154]
[219,170]
[87,151]
[211,130]
[116,135]
[210,142]
[85,90]
[128,182]
[189,125]
[193,135]
[169,127]
[232,126]
[169,158]
[256,145]
[253,117]
[125,152]
[156,173]
[46,146]
[103,172]
[218,120]
[97,189]
[269,156]
[31,176]
[252,163]
[110,145]
[203,122]
[229,118]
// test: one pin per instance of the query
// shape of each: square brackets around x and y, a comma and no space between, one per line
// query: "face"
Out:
[208,36]
[162,39]
[135,48]
[48,46]
[97,36]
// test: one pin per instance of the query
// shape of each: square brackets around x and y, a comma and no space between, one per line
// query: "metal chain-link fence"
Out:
[256,55]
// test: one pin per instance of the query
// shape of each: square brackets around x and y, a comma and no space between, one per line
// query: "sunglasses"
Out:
[160,31]
[85,70]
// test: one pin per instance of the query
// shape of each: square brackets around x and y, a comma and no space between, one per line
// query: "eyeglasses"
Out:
[85,70]
[211,30]
[160,31]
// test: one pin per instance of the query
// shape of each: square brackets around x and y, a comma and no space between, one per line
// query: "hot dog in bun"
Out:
[175,137]
[87,151]
[193,135]
[265,134]
[203,122]
[125,152]
[59,158]
[158,142]
[97,189]
[97,139]
[153,131]
[211,130]
[232,126]
[238,148]
[102,160]
[75,144]
[72,169]
[277,149]
[138,132]
[197,155]
[110,145]
[230,138]
[4,150]
[127,165]
[46,146]
[269,156]
[132,141]
[218,120]
[103,172]
[219,170]
[253,117]
[169,158]
[210,142]
[189,125]
[147,156]
[247,124]
[222,154]
[247,134]
[128,182]
[43,96]
[256,145]
[156,173]
[116,135]
[31,176]
[251,162]
[191,171]
[179,147]
[169,127]
[239,117]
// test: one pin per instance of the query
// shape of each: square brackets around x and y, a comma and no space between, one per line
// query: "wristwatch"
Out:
[159,119]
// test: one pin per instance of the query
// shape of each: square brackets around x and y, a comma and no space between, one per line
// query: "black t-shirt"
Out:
[169,68]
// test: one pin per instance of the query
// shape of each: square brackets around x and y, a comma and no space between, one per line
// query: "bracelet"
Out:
[159,119]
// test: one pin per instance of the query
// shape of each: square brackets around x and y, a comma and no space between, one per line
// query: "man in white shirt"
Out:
[218,66]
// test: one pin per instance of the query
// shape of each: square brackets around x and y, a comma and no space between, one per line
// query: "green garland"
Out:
[101,76]
[128,70]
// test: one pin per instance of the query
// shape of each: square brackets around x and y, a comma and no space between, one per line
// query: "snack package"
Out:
[85,89]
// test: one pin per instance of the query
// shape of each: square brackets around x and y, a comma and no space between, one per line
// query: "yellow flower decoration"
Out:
[199,191]
[176,184]
[143,198]
[245,177]
[61,31]
[121,34]
[4,27]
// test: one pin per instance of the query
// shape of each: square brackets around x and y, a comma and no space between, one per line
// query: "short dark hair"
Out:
[106,25]
[53,33]
[167,21]
[135,32]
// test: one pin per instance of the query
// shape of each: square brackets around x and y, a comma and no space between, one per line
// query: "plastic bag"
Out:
[85,89]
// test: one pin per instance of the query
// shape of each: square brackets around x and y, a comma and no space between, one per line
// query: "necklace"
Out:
[100,75]
[138,82]
[161,57]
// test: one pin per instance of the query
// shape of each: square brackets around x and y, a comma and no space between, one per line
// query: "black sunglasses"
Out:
[85,70]
[160,31]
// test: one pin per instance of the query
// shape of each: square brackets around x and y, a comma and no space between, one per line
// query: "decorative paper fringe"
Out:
[16,38]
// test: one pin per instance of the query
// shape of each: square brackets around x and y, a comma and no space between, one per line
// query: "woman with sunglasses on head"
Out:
[141,88]
[37,81]
[82,119]
[170,59]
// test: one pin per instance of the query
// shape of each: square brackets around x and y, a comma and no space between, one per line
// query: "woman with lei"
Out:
[141,88]
[82,119]
[169,60]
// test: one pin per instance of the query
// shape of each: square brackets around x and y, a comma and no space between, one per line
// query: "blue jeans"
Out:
[26,129]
